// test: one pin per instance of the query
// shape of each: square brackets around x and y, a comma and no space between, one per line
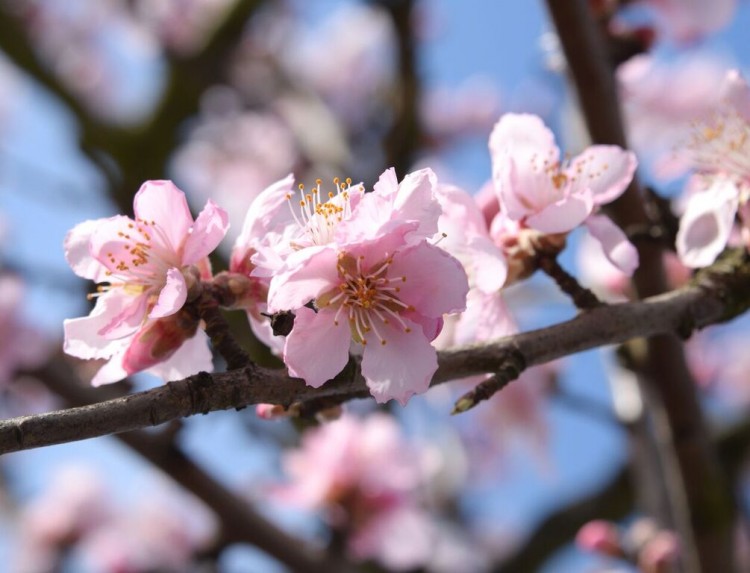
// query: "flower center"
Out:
[317,218]
[367,297]
[143,261]
[722,144]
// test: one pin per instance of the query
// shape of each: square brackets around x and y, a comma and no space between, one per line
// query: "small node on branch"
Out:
[513,365]
[582,297]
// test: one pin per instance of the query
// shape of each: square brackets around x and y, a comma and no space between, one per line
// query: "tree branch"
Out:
[718,294]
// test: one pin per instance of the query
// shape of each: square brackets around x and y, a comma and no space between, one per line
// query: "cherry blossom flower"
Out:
[537,190]
[148,264]
[688,21]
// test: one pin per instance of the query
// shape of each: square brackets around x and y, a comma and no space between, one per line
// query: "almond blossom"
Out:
[372,280]
[537,190]
[719,153]
[371,484]
[147,265]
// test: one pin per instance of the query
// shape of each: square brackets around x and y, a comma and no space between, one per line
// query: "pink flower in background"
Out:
[147,262]
[661,101]
[691,20]
[537,190]
[371,484]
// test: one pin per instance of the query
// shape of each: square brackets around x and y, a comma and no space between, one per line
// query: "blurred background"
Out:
[227,96]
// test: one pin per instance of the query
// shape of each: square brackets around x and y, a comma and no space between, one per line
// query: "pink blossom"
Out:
[718,153]
[690,20]
[383,294]
[148,263]
[369,481]
[661,101]
[599,537]
[536,190]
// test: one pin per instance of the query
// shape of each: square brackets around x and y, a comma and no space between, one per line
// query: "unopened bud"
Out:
[599,537]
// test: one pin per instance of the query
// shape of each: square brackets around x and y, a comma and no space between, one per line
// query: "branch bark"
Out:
[717,294]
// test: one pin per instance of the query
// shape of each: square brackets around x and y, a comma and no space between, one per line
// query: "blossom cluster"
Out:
[377,273]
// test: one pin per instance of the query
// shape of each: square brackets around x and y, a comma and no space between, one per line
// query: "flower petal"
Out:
[317,348]
[192,357]
[489,267]
[614,242]
[388,374]
[163,204]
[706,224]
[486,318]
[563,215]
[416,200]
[78,251]
[82,335]
[605,169]
[172,296]
[294,288]
[112,371]
[206,234]
[435,282]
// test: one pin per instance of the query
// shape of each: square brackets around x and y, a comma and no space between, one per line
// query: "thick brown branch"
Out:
[707,535]
[718,295]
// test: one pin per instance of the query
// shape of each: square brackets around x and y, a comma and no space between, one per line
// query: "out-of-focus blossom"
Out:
[82,40]
[690,20]
[662,100]
[78,516]
[350,71]
[470,108]
[20,345]
[599,537]
[74,505]
[719,154]
[232,155]
[149,263]
[368,481]
[537,190]
[182,25]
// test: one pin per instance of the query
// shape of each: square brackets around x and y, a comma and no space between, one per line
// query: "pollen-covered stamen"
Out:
[367,296]
[143,261]
[316,216]
[721,144]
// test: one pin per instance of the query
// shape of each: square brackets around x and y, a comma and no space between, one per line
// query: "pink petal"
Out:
[435,282]
[736,93]
[172,296]
[614,242]
[317,348]
[268,212]
[78,251]
[387,185]
[388,374]
[128,320]
[564,215]
[489,267]
[206,234]
[82,338]
[416,201]
[605,169]
[522,148]
[486,318]
[112,371]
[706,224]
[192,357]
[162,203]
[293,289]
